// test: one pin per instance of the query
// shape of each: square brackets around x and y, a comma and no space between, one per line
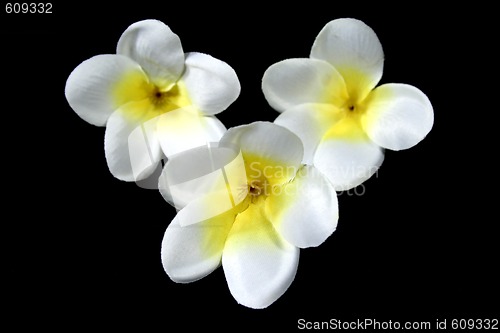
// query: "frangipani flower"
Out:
[330,101]
[151,96]
[249,204]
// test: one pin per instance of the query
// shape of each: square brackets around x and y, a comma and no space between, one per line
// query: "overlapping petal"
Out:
[191,252]
[132,149]
[348,162]
[293,82]
[355,51]
[258,263]
[272,151]
[92,89]
[197,173]
[305,211]
[156,48]
[212,84]
[399,116]
[185,128]
[310,122]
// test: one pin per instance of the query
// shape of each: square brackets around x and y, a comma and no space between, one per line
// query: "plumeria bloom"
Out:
[331,102]
[153,98]
[249,204]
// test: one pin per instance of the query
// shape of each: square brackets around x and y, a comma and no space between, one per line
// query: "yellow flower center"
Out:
[168,100]
[255,188]
[265,176]
[258,189]
[141,100]
[351,102]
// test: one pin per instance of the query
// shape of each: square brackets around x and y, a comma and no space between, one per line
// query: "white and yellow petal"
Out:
[101,84]
[186,128]
[348,161]
[196,174]
[398,116]
[189,253]
[293,82]
[258,263]
[304,211]
[355,51]
[211,83]
[156,48]
[132,149]
[310,122]
[269,151]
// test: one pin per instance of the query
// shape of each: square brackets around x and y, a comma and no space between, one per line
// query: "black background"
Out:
[83,249]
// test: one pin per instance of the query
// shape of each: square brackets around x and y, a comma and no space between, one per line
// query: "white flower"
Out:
[151,97]
[331,103]
[249,204]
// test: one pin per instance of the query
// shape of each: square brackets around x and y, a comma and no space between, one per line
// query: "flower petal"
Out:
[296,81]
[258,263]
[398,117]
[309,122]
[212,84]
[185,128]
[91,87]
[198,173]
[348,162]
[192,252]
[206,207]
[156,48]
[268,149]
[354,50]
[132,149]
[304,211]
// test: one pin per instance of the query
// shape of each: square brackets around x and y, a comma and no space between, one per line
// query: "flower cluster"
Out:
[250,197]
